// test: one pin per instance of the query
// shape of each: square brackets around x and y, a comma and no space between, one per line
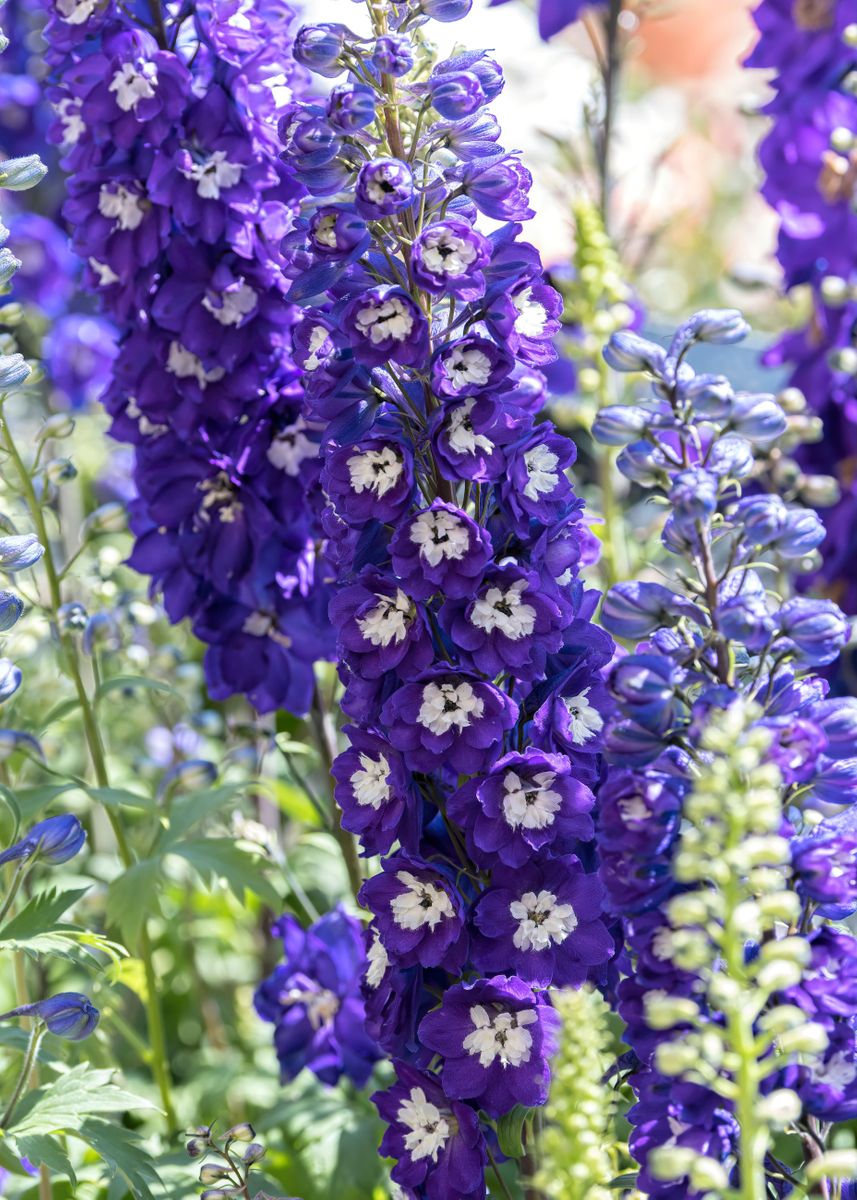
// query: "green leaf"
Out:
[292,801]
[122,682]
[61,1105]
[220,857]
[510,1129]
[621,1182]
[59,711]
[112,797]
[123,1152]
[186,811]
[40,914]
[43,1150]
[132,896]
[32,800]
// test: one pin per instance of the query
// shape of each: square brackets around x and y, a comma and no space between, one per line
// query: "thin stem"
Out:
[45,1190]
[71,664]
[325,738]
[502,1182]
[36,1035]
[17,880]
[610,75]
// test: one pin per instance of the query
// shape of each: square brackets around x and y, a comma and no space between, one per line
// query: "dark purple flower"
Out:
[383,324]
[380,628]
[68,1015]
[541,923]
[448,258]
[499,186]
[437,1142]
[440,549]
[509,625]
[314,1000]
[535,487]
[646,685]
[469,366]
[384,186]
[372,479]
[825,871]
[54,840]
[496,1037]
[468,437]
[376,794]
[448,718]
[527,804]
[417,913]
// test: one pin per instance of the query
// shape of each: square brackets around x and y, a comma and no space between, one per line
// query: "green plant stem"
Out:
[36,1035]
[326,742]
[71,664]
[17,880]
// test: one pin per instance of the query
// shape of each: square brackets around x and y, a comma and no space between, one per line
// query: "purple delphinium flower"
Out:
[440,549]
[376,794]
[496,1037]
[379,627]
[437,1143]
[417,914]
[448,258]
[314,1000]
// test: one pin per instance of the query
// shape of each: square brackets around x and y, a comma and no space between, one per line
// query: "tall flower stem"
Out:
[36,1035]
[325,738]
[611,74]
[71,664]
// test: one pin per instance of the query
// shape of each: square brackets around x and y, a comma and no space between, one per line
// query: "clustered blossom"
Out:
[809,157]
[471,668]
[177,203]
[718,637]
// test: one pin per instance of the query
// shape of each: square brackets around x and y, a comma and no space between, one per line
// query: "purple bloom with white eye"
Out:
[335,232]
[384,186]
[541,922]
[509,625]
[498,185]
[469,366]
[828,1084]
[816,630]
[437,1142]
[825,871]
[417,913]
[535,487]
[376,793]
[468,437]
[571,721]
[536,322]
[440,549]
[380,628]
[496,1037]
[448,718]
[383,324]
[528,804]
[448,258]
[313,999]
[372,479]
[829,984]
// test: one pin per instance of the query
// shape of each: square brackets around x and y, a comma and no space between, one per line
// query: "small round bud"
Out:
[662,1012]
[60,470]
[777,976]
[788,949]
[195,1147]
[688,909]
[212,1173]
[670,1162]
[60,425]
[808,1039]
[707,1173]
[254,1152]
[243,1132]
[844,359]
[108,518]
[835,290]
[841,139]
[781,1019]
[676,1058]
[849,35]
[780,1108]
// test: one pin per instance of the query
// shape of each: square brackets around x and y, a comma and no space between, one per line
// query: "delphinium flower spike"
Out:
[177,201]
[470,663]
[713,635]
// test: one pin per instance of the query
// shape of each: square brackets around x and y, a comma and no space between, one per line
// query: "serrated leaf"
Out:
[42,1150]
[71,943]
[123,1152]
[187,811]
[122,682]
[132,896]
[217,858]
[59,1106]
[510,1130]
[112,797]
[40,914]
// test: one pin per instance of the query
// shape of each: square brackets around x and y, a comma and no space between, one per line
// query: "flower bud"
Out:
[19,552]
[107,518]
[446,11]
[778,975]
[627,351]
[806,1039]
[634,609]
[244,1132]
[10,679]
[688,908]
[16,739]
[59,425]
[834,1164]
[663,1012]
[254,1152]
[758,418]
[319,48]
[819,491]
[11,607]
[817,629]
[54,840]
[59,470]
[780,906]
[722,326]
[707,1173]
[69,1015]
[779,1109]
[619,424]
[670,1162]
[788,949]
[782,1018]
[676,1058]
[191,776]
[196,1147]
[213,1172]
[835,290]
[9,264]
[72,617]
[20,174]
[392,55]
[456,95]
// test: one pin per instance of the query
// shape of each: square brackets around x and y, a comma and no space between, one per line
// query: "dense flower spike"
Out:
[716,639]
[178,201]
[459,611]
[809,157]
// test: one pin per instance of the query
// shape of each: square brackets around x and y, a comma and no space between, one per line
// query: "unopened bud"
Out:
[808,1039]
[779,975]
[109,518]
[687,909]
[60,470]
[788,949]
[780,1108]
[707,1173]
[19,174]
[60,425]
[675,1058]
[835,1164]
[212,1173]
[670,1162]
[781,1019]
[244,1132]
[196,1147]
[253,1153]
[835,290]
[780,906]
[662,1012]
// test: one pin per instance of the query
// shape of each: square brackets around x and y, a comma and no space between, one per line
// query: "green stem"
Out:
[17,880]
[95,745]
[38,1032]
[325,738]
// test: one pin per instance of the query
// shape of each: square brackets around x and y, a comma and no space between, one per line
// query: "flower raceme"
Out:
[471,668]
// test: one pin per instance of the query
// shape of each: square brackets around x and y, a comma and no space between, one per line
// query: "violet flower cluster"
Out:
[809,157]
[719,634]
[470,664]
[177,202]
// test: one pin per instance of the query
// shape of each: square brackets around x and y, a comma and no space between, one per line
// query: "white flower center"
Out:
[633,808]
[324,231]
[232,306]
[369,783]
[460,433]
[75,12]
[321,1006]
[448,705]
[121,205]
[389,319]
[182,363]
[377,962]
[446,254]
[532,316]
[504,1036]
[134,82]
[147,427]
[377,470]
[379,188]
[73,124]
[530,804]
[440,535]
[260,624]
[388,621]
[541,921]
[584,719]
[214,174]
[318,339]
[505,611]
[420,903]
[838,1072]
[541,463]
[218,494]
[106,274]
[290,447]
[428,1129]
[466,367]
